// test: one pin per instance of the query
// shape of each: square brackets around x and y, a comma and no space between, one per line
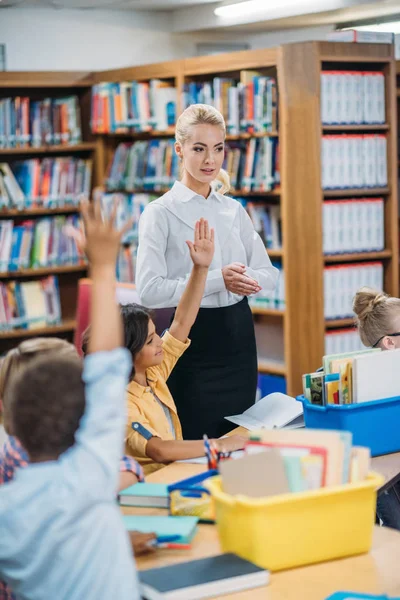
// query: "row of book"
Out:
[274,299]
[130,206]
[342,340]
[341,283]
[29,304]
[126,263]
[354,161]
[38,243]
[346,378]
[48,182]
[34,123]
[252,165]
[267,222]
[249,105]
[133,106]
[353,225]
[352,97]
[150,165]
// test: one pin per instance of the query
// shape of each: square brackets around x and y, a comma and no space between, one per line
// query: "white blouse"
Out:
[164,264]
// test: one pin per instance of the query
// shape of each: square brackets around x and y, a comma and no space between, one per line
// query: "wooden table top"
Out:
[374,573]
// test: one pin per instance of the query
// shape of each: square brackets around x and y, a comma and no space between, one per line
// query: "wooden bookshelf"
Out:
[267,312]
[297,68]
[39,85]
[43,271]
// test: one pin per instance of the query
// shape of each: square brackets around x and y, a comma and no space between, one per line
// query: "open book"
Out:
[273,411]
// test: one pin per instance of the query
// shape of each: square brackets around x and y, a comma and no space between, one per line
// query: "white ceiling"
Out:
[143,5]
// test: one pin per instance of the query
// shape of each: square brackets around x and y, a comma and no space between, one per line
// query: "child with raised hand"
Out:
[154,433]
[59,522]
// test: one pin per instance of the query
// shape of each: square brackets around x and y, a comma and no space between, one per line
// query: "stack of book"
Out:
[50,182]
[133,106]
[346,339]
[148,165]
[352,97]
[25,122]
[341,282]
[253,165]
[267,222]
[354,161]
[248,106]
[29,304]
[40,243]
[272,299]
[353,225]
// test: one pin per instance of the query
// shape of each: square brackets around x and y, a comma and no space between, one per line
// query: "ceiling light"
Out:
[392,27]
[250,7]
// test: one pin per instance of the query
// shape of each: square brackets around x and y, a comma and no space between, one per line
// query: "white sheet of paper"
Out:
[273,411]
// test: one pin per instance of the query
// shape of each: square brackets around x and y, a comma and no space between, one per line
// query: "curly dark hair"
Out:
[48,401]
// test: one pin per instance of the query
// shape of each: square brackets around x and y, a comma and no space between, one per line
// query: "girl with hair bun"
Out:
[378,322]
[217,376]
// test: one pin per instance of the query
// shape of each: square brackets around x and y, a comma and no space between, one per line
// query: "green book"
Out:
[154,495]
[183,528]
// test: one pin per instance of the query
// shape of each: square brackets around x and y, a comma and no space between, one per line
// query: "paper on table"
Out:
[273,411]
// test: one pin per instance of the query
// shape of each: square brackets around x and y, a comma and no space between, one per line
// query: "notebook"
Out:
[185,527]
[273,411]
[376,376]
[145,494]
[205,578]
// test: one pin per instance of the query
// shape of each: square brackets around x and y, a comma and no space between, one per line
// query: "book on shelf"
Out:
[274,299]
[248,104]
[252,164]
[38,243]
[267,222]
[29,304]
[48,182]
[133,106]
[352,97]
[346,339]
[353,225]
[341,283]
[25,122]
[354,161]
[149,165]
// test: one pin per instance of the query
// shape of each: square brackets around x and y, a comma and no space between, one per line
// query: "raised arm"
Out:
[201,253]
[155,289]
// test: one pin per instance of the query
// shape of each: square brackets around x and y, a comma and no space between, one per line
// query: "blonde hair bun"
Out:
[366,301]
[202,114]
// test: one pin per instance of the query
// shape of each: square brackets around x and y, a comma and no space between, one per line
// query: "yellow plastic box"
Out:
[291,530]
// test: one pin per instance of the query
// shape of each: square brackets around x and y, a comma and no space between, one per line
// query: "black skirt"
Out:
[217,375]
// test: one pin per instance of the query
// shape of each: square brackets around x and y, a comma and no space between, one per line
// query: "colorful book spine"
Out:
[29,304]
[275,299]
[34,123]
[338,341]
[133,106]
[252,165]
[40,243]
[48,183]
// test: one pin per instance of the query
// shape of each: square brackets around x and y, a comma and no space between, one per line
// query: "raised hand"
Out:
[202,249]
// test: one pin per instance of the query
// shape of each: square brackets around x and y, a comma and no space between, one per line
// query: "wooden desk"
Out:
[375,573]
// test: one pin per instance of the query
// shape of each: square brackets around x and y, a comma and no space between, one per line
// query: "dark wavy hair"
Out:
[48,401]
[135,321]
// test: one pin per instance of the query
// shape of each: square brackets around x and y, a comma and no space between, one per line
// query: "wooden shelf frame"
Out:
[83,147]
[43,271]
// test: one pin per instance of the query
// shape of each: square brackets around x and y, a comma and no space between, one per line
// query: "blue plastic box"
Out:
[373,424]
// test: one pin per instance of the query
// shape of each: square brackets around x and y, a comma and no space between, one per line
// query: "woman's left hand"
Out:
[202,250]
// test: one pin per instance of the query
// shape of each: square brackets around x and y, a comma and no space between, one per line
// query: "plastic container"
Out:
[373,424]
[289,530]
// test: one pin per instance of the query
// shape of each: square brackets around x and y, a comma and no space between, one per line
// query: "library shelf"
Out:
[51,149]
[350,192]
[66,326]
[338,323]
[356,257]
[361,128]
[271,367]
[268,312]
[43,271]
[37,212]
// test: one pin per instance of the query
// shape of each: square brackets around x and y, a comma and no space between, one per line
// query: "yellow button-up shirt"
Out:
[144,408]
